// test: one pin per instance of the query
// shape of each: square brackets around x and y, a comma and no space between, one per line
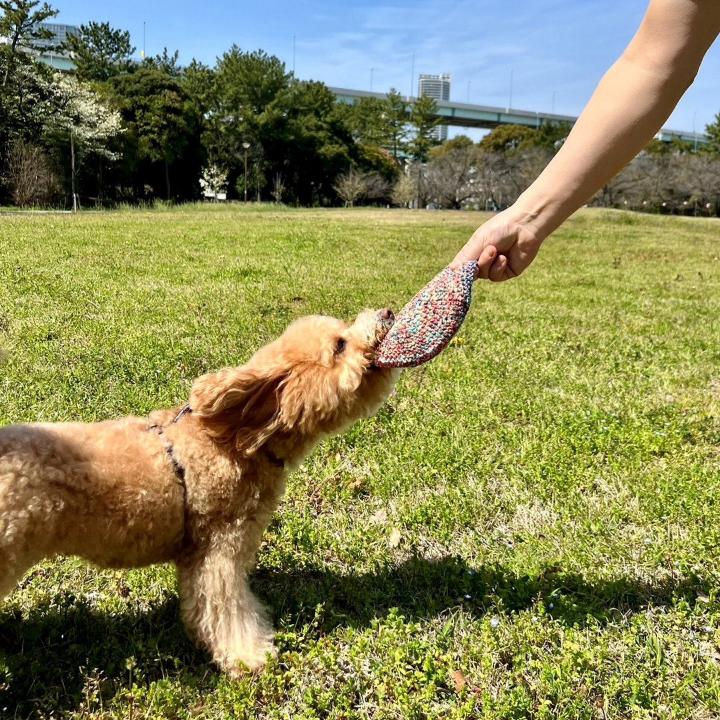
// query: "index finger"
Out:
[485,261]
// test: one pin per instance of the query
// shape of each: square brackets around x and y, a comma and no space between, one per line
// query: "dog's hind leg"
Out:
[20,533]
[13,566]
[220,610]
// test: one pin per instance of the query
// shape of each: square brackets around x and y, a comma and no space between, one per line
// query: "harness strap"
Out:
[177,466]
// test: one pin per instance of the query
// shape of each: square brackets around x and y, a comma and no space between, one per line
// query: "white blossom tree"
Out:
[213,181]
[89,124]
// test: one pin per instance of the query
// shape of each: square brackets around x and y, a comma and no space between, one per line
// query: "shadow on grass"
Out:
[46,656]
[423,589]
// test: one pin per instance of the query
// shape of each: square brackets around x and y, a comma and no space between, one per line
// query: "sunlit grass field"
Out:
[530,528]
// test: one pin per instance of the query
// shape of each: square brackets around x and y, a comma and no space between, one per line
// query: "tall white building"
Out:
[437,87]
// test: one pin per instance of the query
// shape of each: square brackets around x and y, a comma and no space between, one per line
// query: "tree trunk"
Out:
[11,59]
[167,178]
[72,171]
[100,182]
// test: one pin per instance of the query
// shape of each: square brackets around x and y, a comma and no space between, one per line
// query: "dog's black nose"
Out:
[387,315]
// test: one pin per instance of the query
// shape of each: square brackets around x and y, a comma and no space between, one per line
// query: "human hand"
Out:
[503,246]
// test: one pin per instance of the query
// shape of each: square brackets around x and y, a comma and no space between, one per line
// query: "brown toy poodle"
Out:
[195,486]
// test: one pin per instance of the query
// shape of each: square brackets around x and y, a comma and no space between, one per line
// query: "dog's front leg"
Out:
[218,607]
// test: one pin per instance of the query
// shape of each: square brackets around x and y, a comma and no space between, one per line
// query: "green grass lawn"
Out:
[530,528]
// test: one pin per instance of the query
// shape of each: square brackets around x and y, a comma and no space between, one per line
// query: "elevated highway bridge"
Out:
[484,116]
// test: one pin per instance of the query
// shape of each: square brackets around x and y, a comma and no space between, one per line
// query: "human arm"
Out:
[632,101]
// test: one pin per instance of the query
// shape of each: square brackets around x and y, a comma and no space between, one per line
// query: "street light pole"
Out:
[246,145]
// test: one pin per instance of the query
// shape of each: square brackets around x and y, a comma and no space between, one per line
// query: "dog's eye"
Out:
[340,346]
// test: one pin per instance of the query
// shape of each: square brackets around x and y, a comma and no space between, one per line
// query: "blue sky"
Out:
[556,50]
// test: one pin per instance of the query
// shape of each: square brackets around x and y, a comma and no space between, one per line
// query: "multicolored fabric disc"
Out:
[426,325]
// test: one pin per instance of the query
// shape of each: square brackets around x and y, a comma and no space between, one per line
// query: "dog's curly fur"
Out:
[110,492]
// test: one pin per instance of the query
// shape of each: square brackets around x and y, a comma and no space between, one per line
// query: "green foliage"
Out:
[674,147]
[100,52]
[315,145]
[25,101]
[713,132]
[459,142]
[178,119]
[552,476]
[24,84]
[165,62]
[247,83]
[300,141]
[198,80]
[293,129]
[423,119]
[507,138]
[511,138]
[163,128]
[367,120]
[551,136]
[20,25]
[397,120]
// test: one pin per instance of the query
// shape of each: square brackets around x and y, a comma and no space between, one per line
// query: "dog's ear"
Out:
[239,406]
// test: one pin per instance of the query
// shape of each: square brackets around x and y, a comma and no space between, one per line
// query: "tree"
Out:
[248,82]
[378,160]
[351,186]
[25,83]
[397,119]
[450,178]
[493,190]
[305,137]
[213,181]
[551,136]
[510,138]
[507,138]
[676,146]
[712,131]
[278,188]
[666,181]
[30,175]
[84,121]
[242,107]
[377,187]
[459,142]
[164,131]
[424,119]
[20,23]
[100,52]
[198,81]
[25,102]
[405,191]
[368,121]
[166,63]
[294,129]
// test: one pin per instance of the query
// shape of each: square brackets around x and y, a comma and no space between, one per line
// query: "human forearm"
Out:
[630,104]
[632,101]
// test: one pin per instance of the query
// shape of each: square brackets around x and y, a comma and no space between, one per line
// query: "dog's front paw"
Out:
[250,659]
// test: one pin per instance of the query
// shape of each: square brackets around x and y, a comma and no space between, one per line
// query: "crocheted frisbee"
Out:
[425,326]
